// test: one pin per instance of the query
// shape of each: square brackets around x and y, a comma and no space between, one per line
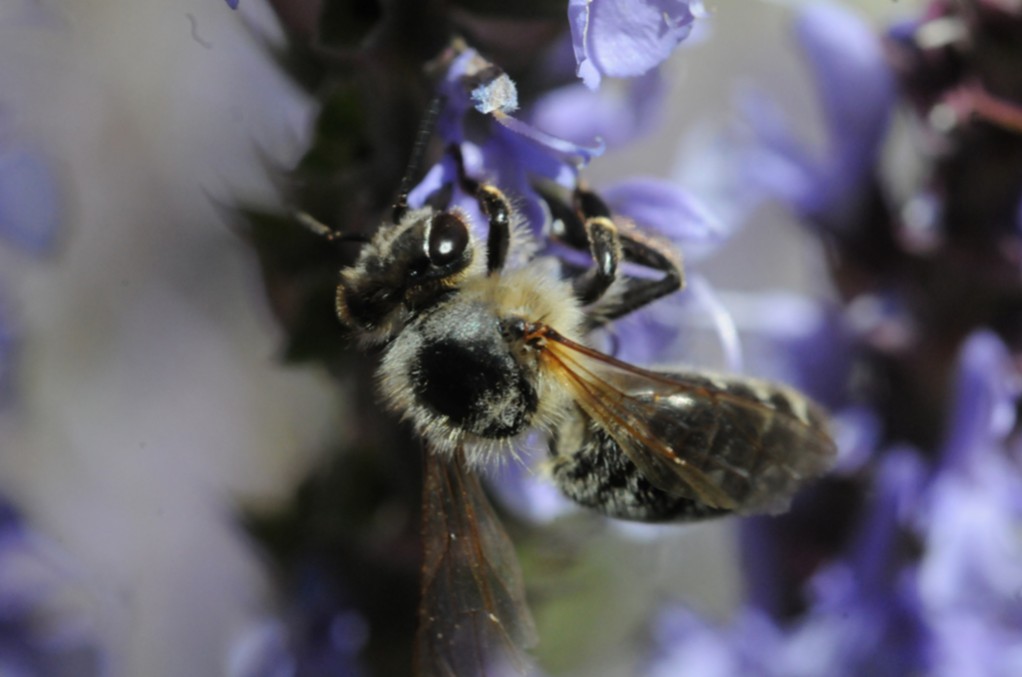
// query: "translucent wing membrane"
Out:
[736,444]
[473,618]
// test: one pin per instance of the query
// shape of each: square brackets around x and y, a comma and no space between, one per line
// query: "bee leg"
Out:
[640,292]
[605,246]
[633,247]
[498,211]
[495,206]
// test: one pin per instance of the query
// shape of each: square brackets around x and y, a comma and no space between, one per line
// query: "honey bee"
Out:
[476,354]
[483,342]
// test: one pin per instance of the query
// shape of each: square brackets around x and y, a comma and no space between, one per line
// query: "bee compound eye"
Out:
[448,237]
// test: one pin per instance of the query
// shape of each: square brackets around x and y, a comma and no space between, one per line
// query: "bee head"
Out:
[406,267]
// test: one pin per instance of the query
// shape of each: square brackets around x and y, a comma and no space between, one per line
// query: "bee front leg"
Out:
[498,211]
[495,206]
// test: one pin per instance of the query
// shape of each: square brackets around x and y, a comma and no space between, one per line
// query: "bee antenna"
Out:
[316,226]
[422,136]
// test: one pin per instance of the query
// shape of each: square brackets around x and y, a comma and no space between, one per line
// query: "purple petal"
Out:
[625,38]
[796,340]
[233,4]
[986,394]
[665,208]
[688,644]
[580,154]
[897,487]
[438,176]
[968,644]
[713,163]
[856,91]
[852,76]
[973,556]
[661,333]
[615,115]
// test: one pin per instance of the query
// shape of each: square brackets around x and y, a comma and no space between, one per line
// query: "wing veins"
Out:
[469,621]
[693,478]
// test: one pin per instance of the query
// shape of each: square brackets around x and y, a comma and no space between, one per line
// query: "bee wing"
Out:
[473,617]
[735,444]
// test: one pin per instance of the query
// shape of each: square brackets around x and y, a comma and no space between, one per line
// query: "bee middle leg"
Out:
[588,223]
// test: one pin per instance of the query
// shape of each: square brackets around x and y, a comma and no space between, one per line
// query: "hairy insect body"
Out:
[462,373]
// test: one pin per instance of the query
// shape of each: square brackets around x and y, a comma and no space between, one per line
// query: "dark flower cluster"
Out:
[907,560]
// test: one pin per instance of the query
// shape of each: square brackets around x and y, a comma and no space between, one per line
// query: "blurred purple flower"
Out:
[664,208]
[29,197]
[864,616]
[856,90]
[318,636]
[233,4]
[8,350]
[685,644]
[622,38]
[973,516]
[39,636]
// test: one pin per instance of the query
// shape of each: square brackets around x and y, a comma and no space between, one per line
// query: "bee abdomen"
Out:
[600,476]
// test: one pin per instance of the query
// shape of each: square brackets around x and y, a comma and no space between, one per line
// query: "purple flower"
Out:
[39,635]
[622,38]
[318,634]
[664,208]
[233,4]
[508,152]
[856,90]
[973,563]
[864,615]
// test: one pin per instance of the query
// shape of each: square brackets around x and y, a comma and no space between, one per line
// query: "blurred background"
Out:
[144,397]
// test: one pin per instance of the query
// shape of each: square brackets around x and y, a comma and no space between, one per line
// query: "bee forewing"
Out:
[731,443]
[473,617]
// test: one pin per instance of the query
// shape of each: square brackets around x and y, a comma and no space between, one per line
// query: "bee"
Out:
[477,353]
[482,342]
